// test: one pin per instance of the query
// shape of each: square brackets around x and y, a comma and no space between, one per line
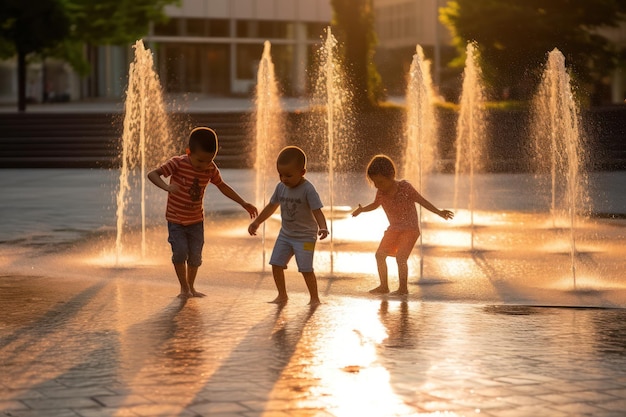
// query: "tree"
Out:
[353,23]
[30,27]
[61,28]
[514,38]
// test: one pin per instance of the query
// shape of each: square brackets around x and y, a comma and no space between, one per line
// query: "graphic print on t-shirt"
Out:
[290,208]
[195,191]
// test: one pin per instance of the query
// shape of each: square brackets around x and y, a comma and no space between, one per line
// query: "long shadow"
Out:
[50,322]
[108,361]
[493,275]
[257,362]
[146,341]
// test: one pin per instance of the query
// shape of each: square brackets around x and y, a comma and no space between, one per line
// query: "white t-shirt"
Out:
[296,209]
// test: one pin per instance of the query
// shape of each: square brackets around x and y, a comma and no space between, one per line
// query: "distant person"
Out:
[189,175]
[302,221]
[398,198]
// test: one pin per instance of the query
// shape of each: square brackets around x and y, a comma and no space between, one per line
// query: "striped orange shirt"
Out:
[186,207]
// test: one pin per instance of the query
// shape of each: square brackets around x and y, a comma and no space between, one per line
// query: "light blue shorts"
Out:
[286,247]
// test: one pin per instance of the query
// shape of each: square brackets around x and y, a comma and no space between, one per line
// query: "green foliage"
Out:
[27,27]
[61,28]
[353,25]
[106,22]
[114,22]
[514,37]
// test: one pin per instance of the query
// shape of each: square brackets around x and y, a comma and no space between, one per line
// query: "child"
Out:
[302,222]
[189,175]
[398,199]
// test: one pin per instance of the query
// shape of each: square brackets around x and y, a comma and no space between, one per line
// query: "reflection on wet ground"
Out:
[128,347]
[500,330]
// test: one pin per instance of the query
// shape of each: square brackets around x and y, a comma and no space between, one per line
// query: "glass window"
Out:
[219,28]
[196,27]
[274,29]
[247,29]
[248,57]
[167,28]
[315,31]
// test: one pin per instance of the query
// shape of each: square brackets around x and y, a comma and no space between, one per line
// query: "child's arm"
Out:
[232,194]
[155,177]
[361,209]
[446,214]
[321,223]
[264,215]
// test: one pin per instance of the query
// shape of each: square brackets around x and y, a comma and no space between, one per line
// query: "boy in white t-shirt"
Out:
[302,221]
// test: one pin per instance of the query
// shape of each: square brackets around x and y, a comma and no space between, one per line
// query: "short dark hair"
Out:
[292,154]
[203,138]
[381,165]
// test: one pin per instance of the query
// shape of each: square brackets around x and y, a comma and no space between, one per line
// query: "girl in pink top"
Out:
[398,198]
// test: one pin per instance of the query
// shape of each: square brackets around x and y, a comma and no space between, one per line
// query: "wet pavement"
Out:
[498,329]
[488,331]
[121,347]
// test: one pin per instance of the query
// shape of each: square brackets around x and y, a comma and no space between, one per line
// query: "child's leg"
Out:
[192,271]
[181,274]
[406,242]
[381,262]
[279,280]
[403,275]
[311,284]
[195,243]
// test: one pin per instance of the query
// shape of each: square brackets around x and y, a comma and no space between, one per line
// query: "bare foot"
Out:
[400,292]
[184,295]
[195,293]
[279,300]
[380,290]
[315,302]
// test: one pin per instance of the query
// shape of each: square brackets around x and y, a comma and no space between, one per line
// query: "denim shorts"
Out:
[286,247]
[187,243]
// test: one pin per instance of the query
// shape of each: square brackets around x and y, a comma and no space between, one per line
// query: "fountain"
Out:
[470,131]
[145,140]
[421,145]
[559,147]
[332,99]
[269,132]
[516,263]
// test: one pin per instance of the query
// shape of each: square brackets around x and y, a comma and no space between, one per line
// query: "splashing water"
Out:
[421,139]
[269,122]
[559,146]
[470,130]
[145,139]
[333,95]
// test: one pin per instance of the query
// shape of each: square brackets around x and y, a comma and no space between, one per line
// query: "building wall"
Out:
[401,25]
[214,46]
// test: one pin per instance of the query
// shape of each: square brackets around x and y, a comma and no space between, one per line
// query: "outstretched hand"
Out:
[446,214]
[357,211]
[251,209]
[254,226]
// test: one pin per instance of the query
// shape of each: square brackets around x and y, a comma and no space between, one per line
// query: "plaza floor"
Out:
[88,331]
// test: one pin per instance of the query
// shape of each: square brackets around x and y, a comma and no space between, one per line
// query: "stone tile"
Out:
[12,405]
[61,403]
[121,400]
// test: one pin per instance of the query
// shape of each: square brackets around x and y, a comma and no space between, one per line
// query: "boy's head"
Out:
[291,166]
[202,147]
[381,165]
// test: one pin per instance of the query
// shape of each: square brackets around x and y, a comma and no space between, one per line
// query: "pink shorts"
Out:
[398,243]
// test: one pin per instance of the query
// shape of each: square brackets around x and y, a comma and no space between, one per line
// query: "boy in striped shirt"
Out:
[189,175]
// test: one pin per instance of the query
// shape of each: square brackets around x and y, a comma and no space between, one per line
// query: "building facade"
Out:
[213,47]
